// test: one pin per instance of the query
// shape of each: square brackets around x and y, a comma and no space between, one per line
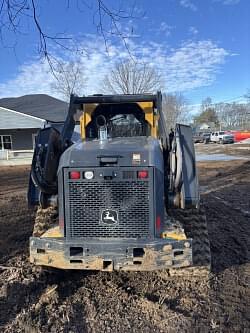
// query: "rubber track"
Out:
[45,219]
[195,225]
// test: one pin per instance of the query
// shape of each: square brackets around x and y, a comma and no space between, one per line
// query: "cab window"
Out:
[121,120]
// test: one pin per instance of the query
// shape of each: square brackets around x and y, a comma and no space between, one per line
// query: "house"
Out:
[21,118]
[204,127]
[207,126]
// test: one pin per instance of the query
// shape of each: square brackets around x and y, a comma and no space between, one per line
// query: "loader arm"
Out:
[50,144]
[183,185]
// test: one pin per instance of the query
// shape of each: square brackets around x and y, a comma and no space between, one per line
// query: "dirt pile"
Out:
[32,300]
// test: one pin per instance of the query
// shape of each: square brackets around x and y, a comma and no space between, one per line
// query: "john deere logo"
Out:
[109,216]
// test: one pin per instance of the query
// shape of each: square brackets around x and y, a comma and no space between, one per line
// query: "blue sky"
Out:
[201,47]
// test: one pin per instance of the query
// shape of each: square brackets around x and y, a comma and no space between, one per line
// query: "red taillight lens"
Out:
[61,223]
[142,174]
[74,175]
[158,223]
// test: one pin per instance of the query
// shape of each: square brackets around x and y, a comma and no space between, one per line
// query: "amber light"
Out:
[142,174]
[74,175]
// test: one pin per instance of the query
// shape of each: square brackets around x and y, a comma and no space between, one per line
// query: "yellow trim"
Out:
[86,118]
[151,118]
[173,235]
[147,108]
[53,232]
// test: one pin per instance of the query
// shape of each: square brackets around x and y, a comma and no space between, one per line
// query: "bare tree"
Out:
[175,108]
[70,78]
[233,115]
[206,104]
[207,113]
[15,14]
[247,95]
[132,77]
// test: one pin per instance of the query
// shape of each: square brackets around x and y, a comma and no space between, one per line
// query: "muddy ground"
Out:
[35,301]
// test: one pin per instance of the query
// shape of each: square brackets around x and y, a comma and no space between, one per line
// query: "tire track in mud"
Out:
[35,301]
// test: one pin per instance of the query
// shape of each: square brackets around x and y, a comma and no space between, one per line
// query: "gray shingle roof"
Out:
[38,105]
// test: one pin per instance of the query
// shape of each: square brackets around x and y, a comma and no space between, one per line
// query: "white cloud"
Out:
[193,31]
[188,4]
[32,78]
[163,28]
[194,64]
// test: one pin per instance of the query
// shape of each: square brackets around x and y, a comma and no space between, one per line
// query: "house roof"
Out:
[39,105]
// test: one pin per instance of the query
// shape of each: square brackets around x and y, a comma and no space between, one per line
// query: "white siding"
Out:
[14,120]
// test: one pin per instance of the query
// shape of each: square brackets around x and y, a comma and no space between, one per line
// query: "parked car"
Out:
[201,137]
[222,137]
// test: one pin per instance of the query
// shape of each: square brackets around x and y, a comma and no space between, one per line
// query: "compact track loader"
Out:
[121,198]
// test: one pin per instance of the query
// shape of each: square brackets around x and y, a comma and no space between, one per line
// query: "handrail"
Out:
[8,154]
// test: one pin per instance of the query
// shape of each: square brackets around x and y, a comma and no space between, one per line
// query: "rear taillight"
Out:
[158,223]
[74,175]
[142,174]
[61,223]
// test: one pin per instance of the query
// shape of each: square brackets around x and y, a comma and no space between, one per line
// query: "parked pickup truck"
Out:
[222,137]
[201,137]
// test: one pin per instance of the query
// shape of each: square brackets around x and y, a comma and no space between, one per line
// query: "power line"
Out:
[223,101]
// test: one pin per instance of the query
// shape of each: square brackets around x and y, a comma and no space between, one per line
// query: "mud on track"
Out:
[32,300]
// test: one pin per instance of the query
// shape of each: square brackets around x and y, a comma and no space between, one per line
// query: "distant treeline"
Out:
[233,115]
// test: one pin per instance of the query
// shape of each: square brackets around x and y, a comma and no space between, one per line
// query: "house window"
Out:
[5,142]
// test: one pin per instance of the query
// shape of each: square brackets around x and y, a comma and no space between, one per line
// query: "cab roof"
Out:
[109,99]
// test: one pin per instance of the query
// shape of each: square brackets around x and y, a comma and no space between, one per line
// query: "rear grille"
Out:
[88,199]
[128,174]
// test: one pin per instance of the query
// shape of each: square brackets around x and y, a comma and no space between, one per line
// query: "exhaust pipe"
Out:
[102,128]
